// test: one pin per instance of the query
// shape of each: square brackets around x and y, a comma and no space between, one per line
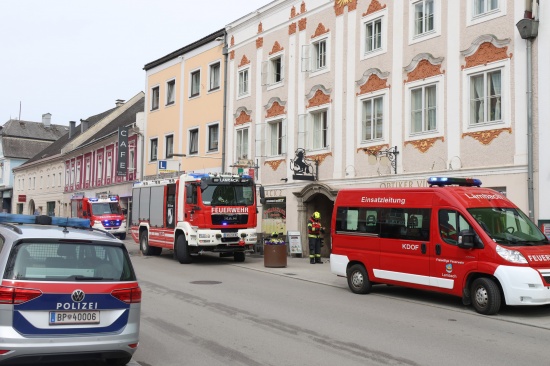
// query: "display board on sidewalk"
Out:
[294,242]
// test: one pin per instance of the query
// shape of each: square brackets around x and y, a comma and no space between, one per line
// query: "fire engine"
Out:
[195,213]
[103,211]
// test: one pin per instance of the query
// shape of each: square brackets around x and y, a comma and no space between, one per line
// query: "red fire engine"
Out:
[103,211]
[196,213]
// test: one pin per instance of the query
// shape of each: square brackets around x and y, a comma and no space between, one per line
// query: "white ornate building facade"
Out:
[379,93]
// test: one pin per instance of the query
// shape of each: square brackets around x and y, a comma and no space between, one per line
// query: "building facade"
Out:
[184,108]
[85,159]
[19,142]
[372,93]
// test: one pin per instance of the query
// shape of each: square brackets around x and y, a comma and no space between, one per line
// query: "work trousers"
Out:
[314,247]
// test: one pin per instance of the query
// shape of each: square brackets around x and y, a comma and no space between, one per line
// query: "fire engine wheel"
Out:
[485,295]
[238,256]
[144,245]
[358,279]
[182,250]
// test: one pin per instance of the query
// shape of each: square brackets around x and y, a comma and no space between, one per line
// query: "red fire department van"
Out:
[195,213]
[453,237]
[103,211]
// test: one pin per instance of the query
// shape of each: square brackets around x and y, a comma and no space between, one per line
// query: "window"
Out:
[78,173]
[482,7]
[214,76]
[276,69]
[243,82]
[99,169]
[320,52]
[392,223]
[194,141]
[485,97]
[195,83]
[373,119]
[169,145]
[170,92]
[424,109]
[319,130]
[242,144]
[87,172]
[373,35]
[213,134]
[131,159]
[423,17]
[276,138]
[154,147]
[109,167]
[155,95]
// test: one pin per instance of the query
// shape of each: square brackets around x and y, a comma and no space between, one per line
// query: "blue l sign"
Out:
[162,165]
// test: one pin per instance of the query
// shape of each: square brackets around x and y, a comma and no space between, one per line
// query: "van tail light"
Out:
[128,295]
[4,351]
[17,295]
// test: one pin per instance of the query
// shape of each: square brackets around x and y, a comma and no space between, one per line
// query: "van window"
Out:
[395,223]
[508,226]
[451,223]
[405,223]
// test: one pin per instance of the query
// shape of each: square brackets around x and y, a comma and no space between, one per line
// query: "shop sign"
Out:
[22,198]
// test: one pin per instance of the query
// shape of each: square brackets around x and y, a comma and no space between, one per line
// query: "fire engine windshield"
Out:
[106,208]
[228,195]
[509,226]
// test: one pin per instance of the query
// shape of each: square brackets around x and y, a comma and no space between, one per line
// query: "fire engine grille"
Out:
[229,219]
[111,223]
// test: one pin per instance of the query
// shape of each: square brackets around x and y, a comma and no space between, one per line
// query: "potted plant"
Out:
[275,251]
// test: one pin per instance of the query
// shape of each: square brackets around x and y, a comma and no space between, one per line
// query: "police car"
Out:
[68,293]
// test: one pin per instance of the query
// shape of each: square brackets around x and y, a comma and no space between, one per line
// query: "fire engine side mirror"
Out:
[262,195]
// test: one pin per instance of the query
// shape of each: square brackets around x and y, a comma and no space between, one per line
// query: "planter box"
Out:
[275,255]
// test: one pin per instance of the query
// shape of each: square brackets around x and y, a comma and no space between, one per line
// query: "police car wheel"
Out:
[485,296]
[182,250]
[358,279]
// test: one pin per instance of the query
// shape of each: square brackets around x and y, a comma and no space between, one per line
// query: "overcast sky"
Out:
[73,58]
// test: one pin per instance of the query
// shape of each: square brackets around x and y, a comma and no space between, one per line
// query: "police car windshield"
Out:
[68,262]
[228,195]
[105,208]
[508,226]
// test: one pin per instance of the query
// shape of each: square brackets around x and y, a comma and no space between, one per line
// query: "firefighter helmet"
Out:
[316,215]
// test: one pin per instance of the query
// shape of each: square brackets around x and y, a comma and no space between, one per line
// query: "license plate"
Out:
[74,317]
[231,235]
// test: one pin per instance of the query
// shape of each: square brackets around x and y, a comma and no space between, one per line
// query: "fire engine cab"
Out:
[103,211]
[453,237]
[195,213]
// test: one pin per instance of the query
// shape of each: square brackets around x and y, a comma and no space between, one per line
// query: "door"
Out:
[404,245]
[449,263]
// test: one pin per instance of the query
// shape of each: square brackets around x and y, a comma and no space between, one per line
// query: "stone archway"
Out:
[316,197]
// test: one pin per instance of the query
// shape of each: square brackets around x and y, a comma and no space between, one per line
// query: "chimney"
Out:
[72,127]
[47,119]
[119,102]
[84,125]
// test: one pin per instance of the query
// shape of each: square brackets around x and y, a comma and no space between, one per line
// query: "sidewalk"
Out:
[297,268]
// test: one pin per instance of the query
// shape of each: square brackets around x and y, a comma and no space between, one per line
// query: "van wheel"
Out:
[144,245]
[238,256]
[358,279]
[122,236]
[182,250]
[485,296]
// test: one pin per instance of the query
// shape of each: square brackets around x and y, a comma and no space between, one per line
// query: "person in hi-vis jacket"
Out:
[314,231]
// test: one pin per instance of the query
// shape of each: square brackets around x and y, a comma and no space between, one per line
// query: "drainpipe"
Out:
[224,118]
[528,30]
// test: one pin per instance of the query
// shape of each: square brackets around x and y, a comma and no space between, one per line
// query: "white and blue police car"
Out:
[68,293]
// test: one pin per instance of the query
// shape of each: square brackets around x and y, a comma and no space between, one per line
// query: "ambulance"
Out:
[452,237]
